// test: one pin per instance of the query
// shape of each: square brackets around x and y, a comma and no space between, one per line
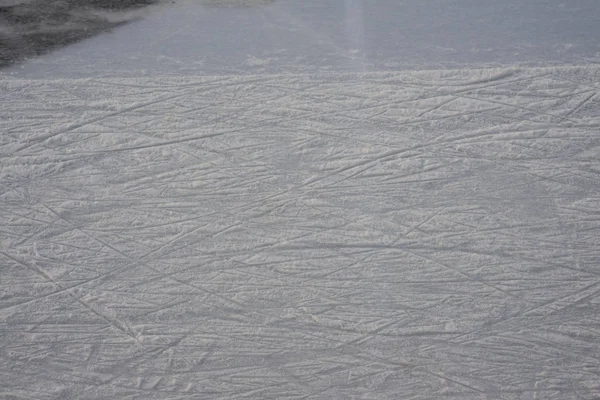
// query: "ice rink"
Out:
[260,226]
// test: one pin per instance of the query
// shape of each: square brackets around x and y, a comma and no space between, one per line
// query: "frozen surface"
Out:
[33,27]
[406,235]
[217,37]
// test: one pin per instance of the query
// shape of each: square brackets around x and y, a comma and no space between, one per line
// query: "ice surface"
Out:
[402,235]
[217,37]
[33,27]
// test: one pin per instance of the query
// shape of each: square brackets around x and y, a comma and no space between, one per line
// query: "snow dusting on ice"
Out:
[402,235]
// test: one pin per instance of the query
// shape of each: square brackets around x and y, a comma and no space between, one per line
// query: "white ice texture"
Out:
[401,235]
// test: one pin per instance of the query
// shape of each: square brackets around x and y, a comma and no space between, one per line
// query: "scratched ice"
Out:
[401,235]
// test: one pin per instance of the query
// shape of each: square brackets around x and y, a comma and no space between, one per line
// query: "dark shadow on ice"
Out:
[32,27]
[236,3]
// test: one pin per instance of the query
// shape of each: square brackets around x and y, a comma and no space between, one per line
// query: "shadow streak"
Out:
[29,28]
